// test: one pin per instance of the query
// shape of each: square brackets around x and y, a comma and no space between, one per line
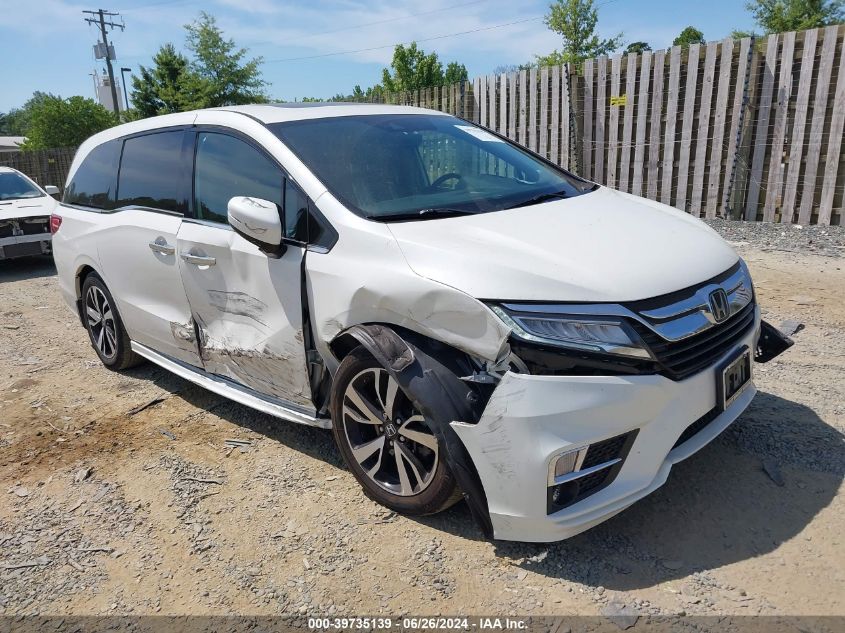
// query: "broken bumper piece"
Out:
[25,245]
[771,343]
[618,436]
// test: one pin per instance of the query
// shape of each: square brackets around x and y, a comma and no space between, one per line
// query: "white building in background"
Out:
[11,143]
[103,88]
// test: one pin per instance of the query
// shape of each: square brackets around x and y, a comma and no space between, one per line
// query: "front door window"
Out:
[227,167]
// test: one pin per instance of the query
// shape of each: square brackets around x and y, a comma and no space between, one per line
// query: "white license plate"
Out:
[733,378]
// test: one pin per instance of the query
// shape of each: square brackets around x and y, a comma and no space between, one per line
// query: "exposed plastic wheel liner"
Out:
[420,367]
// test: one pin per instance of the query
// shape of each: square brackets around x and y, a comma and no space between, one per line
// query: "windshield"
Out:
[421,166]
[14,186]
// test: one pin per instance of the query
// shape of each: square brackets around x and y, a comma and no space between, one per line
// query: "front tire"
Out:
[385,440]
[105,327]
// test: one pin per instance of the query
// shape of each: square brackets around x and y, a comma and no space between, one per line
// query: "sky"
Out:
[318,48]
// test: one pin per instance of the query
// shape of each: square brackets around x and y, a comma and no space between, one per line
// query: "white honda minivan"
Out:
[469,319]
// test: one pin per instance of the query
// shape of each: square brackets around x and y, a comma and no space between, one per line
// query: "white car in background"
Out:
[25,210]
[467,318]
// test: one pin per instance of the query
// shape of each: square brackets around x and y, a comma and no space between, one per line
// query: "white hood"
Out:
[604,246]
[26,208]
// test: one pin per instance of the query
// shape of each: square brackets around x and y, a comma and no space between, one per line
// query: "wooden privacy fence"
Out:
[46,166]
[747,129]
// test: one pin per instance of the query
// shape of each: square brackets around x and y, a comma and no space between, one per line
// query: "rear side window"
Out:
[227,167]
[152,174]
[94,183]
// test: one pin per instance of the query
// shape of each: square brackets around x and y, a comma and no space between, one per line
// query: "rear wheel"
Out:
[105,328]
[386,441]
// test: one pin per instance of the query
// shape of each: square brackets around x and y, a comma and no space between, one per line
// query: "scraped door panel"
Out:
[137,251]
[248,310]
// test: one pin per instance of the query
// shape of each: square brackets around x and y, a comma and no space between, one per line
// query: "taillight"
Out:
[55,223]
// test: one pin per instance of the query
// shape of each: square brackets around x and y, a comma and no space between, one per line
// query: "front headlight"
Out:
[607,335]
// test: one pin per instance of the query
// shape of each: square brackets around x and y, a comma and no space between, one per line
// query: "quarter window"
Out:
[151,173]
[227,167]
[95,181]
[296,213]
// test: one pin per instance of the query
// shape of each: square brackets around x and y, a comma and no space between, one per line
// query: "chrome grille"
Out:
[688,355]
[689,312]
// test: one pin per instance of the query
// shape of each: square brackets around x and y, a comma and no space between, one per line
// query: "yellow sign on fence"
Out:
[621,100]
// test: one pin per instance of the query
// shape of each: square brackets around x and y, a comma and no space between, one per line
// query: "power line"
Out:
[425,39]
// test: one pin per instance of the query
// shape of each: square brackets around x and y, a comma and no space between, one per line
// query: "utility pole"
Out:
[100,21]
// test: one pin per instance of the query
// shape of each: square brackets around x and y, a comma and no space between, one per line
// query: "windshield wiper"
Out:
[543,197]
[423,214]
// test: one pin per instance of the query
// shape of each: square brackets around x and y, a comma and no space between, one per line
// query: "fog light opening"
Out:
[566,463]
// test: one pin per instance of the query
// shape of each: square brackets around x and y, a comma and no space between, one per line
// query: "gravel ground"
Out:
[121,495]
[821,240]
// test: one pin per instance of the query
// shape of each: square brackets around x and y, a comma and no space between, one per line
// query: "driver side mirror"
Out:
[51,190]
[257,221]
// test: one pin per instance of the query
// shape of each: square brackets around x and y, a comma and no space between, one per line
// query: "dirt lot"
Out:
[119,494]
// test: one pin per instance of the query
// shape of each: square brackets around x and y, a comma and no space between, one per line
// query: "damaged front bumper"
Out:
[638,427]
[24,245]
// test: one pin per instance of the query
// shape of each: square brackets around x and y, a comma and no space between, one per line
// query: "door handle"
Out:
[199,260]
[160,246]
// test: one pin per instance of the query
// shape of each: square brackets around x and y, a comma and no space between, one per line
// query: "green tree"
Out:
[412,69]
[227,76]
[778,16]
[168,86]
[689,35]
[358,95]
[740,34]
[637,47]
[57,122]
[16,121]
[575,21]
[11,123]
[375,93]
[513,68]
[455,72]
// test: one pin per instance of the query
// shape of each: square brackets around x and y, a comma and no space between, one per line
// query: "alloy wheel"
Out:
[101,322]
[388,437]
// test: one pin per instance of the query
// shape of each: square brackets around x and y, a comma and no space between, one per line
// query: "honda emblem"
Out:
[719,306]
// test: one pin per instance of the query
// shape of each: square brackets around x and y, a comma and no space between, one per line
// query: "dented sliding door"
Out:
[247,309]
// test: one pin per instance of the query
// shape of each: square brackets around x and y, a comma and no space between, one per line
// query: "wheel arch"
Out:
[392,338]
[79,278]
[430,372]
